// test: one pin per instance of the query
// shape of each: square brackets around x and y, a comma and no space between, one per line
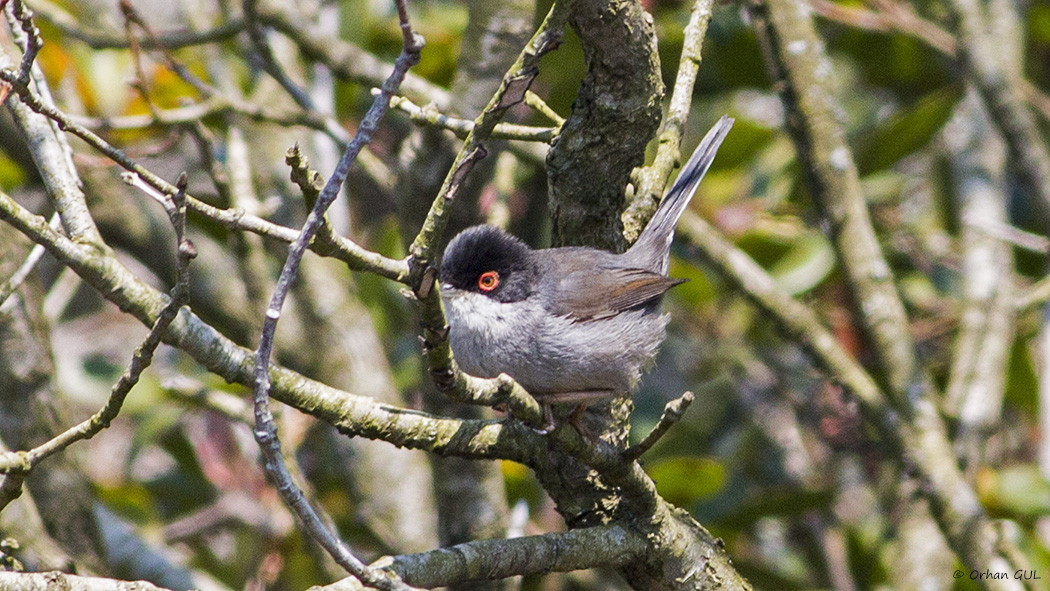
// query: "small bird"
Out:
[570,324]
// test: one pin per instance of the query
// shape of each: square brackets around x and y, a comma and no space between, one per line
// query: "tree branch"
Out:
[801,71]
[651,180]
[622,90]
[590,547]
[1003,94]
[974,394]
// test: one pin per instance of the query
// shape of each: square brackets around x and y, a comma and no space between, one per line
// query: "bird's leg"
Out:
[583,399]
[576,420]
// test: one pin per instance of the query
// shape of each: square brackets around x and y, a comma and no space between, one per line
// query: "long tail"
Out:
[653,246]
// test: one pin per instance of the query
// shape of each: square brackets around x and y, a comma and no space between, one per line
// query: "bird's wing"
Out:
[621,289]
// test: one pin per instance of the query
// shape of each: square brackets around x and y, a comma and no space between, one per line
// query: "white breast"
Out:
[550,354]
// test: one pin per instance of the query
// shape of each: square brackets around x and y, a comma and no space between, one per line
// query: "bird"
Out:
[569,324]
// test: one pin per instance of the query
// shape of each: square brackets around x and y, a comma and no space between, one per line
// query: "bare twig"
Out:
[461,127]
[66,23]
[32,41]
[511,91]
[538,104]
[132,16]
[269,60]
[188,391]
[651,180]
[1037,294]
[999,84]
[346,61]
[974,394]
[894,17]
[353,255]
[673,412]
[266,428]
[19,276]
[1002,230]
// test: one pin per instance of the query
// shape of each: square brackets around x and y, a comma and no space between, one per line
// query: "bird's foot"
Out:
[582,399]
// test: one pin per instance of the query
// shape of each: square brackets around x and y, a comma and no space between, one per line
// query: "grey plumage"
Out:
[566,321]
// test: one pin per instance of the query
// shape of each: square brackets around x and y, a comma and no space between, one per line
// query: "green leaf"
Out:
[808,263]
[906,131]
[684,480]
[1016,490]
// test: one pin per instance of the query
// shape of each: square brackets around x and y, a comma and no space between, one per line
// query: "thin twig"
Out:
[539,105]
[673,412]
[356,257]
[140,82]
[1035,295]
[66,23]
[184,73]
[33,42]
[981,353]
[1001,230]
[999,83]
[429,115]
[511,91]
[266,428]
[901,18]
[651,180]
[269,60]
[19,276]
[345,60]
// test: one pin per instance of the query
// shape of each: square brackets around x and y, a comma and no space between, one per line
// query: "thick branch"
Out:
[613,118]
[429,115]
[606,545]
[58,580]
[52,156]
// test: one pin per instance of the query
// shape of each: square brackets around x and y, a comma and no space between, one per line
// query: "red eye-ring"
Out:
[488,281]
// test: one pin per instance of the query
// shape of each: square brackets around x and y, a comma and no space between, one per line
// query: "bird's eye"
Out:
[488,281]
